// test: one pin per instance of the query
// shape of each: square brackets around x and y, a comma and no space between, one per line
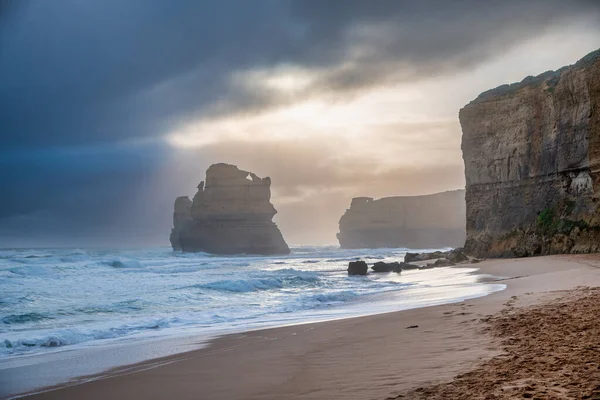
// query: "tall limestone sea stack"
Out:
[231,214]
[532,164]
[429,221]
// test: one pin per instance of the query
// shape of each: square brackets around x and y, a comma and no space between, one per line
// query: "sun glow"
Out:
[315,116]
[409,122]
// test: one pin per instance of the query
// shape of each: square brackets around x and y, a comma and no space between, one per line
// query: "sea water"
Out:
[55,298]
[66,313]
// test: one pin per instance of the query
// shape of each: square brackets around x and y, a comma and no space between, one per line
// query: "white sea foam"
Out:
[53,299]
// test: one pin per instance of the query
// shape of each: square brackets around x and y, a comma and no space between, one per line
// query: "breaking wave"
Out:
[288,277]
[54,298]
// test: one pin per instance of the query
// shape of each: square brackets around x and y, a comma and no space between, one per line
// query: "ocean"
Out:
[54,299]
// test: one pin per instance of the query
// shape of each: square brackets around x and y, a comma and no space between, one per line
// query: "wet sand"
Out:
[375,357]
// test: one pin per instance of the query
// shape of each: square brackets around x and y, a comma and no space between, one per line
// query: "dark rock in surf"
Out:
[410,257]
[357,268]
[381,266]
[406,266]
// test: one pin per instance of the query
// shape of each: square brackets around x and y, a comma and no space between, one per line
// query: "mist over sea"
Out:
[53,299]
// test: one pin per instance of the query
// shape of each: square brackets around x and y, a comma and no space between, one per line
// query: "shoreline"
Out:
[61,366]
[374,356]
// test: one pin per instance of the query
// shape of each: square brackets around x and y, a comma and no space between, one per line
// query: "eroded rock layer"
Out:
[430,221]
[231,214]
[532,163]
[181,215]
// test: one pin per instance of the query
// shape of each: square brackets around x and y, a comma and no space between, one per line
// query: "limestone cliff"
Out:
[231,214]
[430,221]
[532,163]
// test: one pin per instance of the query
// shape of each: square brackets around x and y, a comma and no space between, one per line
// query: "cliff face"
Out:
[231,214]
[532,163]
[431,221]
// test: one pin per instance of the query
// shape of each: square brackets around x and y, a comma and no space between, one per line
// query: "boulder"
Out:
[443,262]
[410,257]
[456,256]
[406,266]
[381,266]
[357,268]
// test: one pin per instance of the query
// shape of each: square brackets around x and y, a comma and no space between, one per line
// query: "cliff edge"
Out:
[532,164]
[231,214]
[419,222]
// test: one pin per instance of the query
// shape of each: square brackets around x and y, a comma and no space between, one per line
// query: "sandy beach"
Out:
[452,351]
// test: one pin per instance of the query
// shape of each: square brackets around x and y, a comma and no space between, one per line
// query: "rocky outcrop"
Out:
[430,221]
[231,214]
[412,257]
[404,266]
[381,266]
[454,256]
[443,262]
[532,164]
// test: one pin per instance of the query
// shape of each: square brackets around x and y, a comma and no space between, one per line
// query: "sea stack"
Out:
[532,164]
[230,214]
[429,221]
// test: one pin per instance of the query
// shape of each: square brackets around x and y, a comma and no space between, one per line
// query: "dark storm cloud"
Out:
[88,88]
[58,196]
[75,72]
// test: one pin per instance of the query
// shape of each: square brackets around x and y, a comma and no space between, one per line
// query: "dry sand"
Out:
[379,357]
[551,351]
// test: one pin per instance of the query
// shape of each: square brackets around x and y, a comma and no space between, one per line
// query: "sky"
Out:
[109,110]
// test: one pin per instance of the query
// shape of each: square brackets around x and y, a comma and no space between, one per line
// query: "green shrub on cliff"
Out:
[566,225]
[546,218]
[550,223]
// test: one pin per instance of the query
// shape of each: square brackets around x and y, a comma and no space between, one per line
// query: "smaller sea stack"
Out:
[429,221]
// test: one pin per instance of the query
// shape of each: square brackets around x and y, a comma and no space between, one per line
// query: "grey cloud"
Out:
[85,72]
[301,166]
[412,39]
[87,89]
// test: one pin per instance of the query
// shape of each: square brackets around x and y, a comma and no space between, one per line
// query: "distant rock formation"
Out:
[532,164]
[231,214]
[430,221]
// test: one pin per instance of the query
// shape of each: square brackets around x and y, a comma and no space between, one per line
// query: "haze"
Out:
[109,110]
